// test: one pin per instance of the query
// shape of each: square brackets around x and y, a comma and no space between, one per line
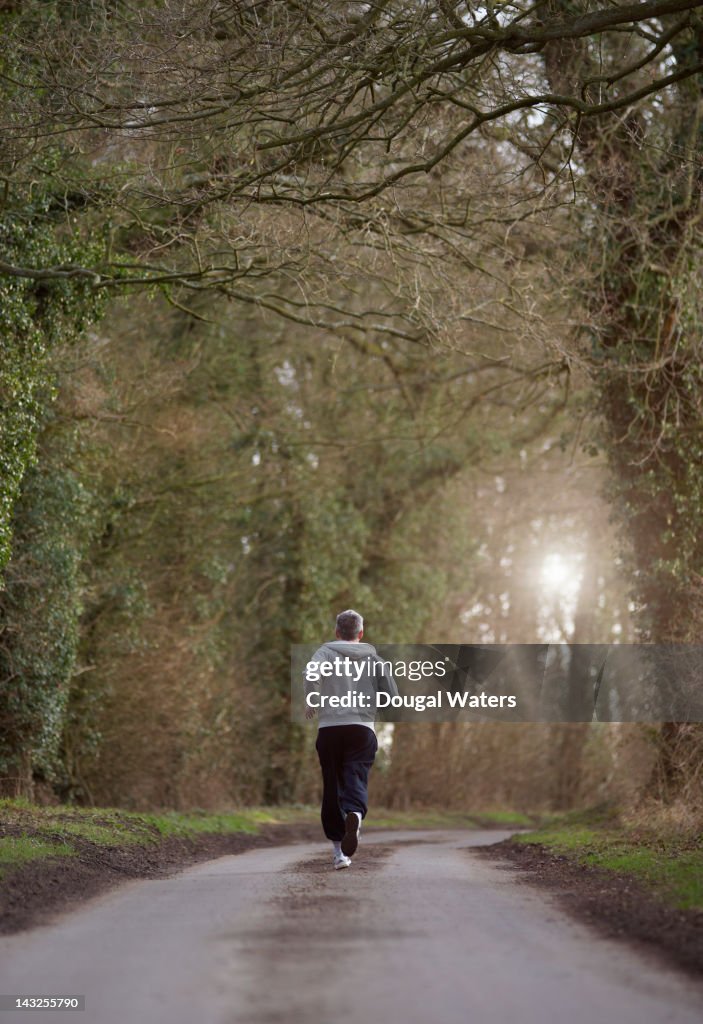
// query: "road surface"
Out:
[417,931]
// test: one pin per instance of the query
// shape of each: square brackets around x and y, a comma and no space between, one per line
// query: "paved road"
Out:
[417,932]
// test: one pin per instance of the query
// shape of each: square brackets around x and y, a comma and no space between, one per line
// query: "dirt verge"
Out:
[32,894]
[617,905]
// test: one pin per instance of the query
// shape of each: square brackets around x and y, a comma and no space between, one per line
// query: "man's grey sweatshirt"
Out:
[365,673]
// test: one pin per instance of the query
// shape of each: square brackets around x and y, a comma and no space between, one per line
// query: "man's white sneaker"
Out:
[340,861]
[352,826]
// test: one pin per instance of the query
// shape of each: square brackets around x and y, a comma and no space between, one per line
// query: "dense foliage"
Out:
[36,316]
[43,506]
[409,260]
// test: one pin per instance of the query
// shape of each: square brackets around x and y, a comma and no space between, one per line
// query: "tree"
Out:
[643,243]
[276,136]
[487,168]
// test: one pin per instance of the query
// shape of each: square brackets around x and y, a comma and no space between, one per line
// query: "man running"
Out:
[346,739]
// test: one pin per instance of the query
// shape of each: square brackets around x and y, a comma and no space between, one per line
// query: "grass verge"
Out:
[668,864]
[15,851]
[30,832]
[380,818]
[59,830]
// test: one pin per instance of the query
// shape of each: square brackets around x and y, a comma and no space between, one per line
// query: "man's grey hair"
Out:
[349,624]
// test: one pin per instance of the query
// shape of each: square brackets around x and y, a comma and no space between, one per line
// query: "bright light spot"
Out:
[384,736]
[555,572]
[285,374]
[560,579]
[476,609]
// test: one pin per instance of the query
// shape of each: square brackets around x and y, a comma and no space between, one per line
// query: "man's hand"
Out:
[309,713]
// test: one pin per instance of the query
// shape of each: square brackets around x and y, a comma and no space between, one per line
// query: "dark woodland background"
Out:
[391,305]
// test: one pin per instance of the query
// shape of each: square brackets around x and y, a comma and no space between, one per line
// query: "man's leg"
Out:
[329,750]
[360,746]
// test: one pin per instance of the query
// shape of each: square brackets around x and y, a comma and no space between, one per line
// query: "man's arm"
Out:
[313,685]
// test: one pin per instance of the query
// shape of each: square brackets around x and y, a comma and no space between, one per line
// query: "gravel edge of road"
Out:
[36,892]
[617,905]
